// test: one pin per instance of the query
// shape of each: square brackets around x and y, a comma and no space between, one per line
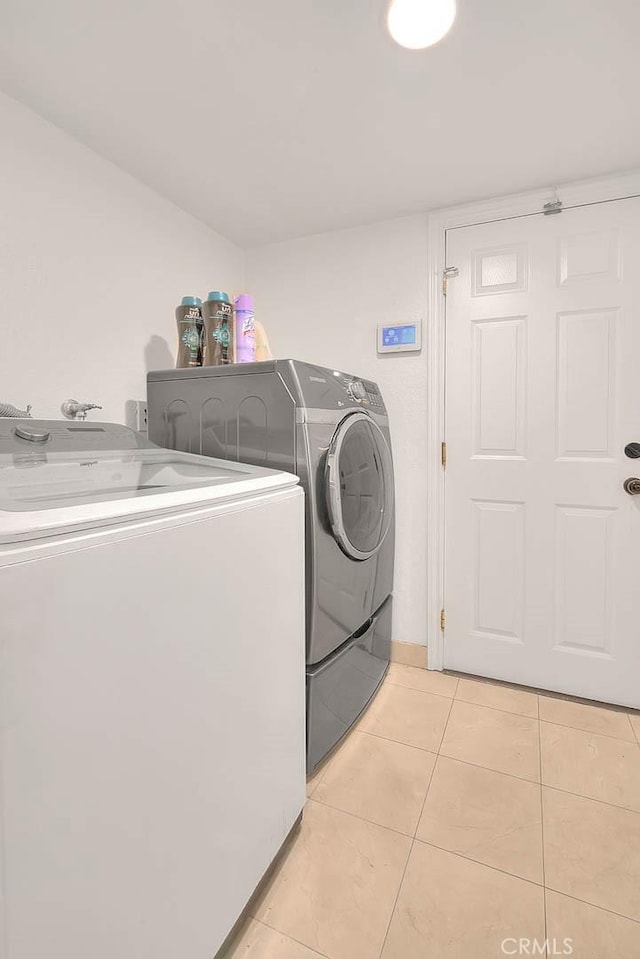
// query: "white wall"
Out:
[321,299]
[92,265]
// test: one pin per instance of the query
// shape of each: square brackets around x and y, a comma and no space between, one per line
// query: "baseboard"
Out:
[409,654]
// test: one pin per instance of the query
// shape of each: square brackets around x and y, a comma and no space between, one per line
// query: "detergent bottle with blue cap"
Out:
[189,320]
[217,318]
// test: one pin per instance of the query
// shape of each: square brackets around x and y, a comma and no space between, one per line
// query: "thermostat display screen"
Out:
[398,335]
[399,338]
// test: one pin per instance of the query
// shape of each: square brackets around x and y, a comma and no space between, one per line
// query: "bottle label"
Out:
[222,334]
[191,338]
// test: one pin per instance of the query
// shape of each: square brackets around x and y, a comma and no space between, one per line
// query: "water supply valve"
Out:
[73,410]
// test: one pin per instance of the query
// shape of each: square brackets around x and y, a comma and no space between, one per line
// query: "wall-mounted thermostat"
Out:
[400,338]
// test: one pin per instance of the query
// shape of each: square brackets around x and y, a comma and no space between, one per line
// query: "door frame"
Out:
[581,193]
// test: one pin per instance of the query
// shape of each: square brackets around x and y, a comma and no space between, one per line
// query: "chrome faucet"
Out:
[73,410]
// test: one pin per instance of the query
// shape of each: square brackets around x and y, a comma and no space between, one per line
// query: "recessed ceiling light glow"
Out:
[417,24]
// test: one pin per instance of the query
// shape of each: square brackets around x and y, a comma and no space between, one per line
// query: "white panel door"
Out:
[542,579]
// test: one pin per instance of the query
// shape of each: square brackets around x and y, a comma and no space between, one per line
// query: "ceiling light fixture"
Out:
[416,24]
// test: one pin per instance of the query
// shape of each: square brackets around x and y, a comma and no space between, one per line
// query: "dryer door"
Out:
[359,486]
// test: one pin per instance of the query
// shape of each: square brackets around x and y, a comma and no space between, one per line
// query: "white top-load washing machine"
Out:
[152,690]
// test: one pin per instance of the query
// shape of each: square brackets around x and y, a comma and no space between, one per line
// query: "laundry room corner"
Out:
[322,298]
[90,259]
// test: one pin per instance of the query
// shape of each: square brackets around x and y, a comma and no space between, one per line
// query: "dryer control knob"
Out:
[357,390]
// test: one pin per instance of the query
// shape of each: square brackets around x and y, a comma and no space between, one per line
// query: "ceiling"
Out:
[270,119]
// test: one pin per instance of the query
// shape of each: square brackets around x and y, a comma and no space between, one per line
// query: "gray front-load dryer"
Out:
[330,428]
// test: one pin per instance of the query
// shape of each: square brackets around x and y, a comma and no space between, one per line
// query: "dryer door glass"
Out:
[359,480]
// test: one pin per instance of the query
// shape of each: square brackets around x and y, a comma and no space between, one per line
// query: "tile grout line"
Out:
[414,840]
[395,900]
[601,802]
[458,855]
[457,698]
[315,785]
[478,862]
[549,722]
[589,732]
[535,782]
[424,801]
[466,762]
[390,740]
[490,769]
[399,742]
[544,873]
[425,842]
[286,935]
[414,836]
[502,772]
[547,694]
[541,693]
[429,692]
[633,730]
[371,822]
[593,905]
[496,709]
[444,728]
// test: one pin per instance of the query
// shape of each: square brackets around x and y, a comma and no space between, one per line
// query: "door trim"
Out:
[581,193]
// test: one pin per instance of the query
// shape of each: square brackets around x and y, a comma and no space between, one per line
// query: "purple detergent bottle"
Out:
[245,329]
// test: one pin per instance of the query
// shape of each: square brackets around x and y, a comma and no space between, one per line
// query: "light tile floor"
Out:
[458,815]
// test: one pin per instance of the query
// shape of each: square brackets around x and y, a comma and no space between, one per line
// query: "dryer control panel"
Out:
[333,389]
[364,393]
[373,396]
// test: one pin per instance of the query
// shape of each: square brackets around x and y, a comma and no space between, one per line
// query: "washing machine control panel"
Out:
[19,435]
[31,434]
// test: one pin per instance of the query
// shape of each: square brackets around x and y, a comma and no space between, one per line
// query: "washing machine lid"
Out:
[45,492]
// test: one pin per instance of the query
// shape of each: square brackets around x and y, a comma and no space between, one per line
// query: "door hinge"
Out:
[448,273]
[443,454]
[553,206]
[443,620]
